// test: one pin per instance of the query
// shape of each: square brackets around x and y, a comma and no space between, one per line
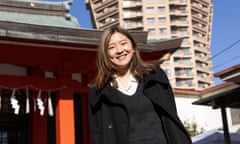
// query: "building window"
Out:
[150,20]
[185,62]
[126,3]
[126,14]
[179,83]
[161,9]
[183,21]
[183,72]
[162,19]
[183,10]
[184,32]
[185,42]
[151,31]
[183,1]
[150,9]
[139,23]
[128,24]
[163,30]
[189,83]
[186,51]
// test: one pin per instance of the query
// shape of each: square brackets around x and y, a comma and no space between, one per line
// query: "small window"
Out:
[163,30]
[162,19]
[150,9]
[151,31]
[161,9]
[150,20]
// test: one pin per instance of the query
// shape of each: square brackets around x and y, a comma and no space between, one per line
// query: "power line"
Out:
[225,49]
[236,57]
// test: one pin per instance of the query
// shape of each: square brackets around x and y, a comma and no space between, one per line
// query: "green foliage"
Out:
[192,128]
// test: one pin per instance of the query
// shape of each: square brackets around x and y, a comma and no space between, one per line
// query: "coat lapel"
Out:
[107,92]
[157,88]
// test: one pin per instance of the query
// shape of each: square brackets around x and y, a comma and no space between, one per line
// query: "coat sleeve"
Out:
[176,129]
[94,125]
[170,97]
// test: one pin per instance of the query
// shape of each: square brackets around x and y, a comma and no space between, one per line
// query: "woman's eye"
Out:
[110,47]
[123,43]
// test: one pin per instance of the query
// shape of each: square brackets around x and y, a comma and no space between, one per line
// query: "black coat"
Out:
[109,121]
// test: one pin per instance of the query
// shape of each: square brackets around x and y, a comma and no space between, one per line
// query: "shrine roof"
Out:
[38,13]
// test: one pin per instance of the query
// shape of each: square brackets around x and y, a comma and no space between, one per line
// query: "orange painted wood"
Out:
[65,129]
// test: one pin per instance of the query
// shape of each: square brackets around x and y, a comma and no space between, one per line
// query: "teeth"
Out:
[121,56]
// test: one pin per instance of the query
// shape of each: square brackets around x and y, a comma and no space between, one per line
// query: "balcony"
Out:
[106,14]
[201,49]
[200,19]
[183,62]
[200,39]
[203,2]
[202,67]
[178,23]
[184,84]
[175,12]
[177,2]
[133,25]
[132,4]
[199,8]
[131,15]
[183,74]
[109,24]
[199,28]
[201,58]
[108,3]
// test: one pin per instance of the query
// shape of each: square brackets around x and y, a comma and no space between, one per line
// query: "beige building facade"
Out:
[190,67]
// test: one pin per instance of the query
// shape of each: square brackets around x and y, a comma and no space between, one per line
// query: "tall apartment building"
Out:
[190,67]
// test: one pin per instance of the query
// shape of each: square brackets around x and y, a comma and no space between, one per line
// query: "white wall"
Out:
[205,117]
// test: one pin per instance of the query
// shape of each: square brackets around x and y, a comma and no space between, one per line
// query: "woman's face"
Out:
[120,50]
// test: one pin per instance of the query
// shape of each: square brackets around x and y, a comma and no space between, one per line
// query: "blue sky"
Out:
[225,31]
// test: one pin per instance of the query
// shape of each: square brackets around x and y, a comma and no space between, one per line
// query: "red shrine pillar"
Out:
[86,79]
[38,123]
[65,133]
[85,128]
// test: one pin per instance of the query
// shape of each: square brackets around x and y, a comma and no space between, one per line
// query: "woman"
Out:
[131,102]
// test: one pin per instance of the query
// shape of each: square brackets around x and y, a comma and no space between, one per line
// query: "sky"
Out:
[225,38]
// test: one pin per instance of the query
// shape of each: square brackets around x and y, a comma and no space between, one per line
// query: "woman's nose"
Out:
[119,49]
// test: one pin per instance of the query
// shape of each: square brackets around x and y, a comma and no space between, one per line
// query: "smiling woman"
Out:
[131,102]
[120,50]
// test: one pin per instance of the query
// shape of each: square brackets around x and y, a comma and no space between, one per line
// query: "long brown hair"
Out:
[105,70]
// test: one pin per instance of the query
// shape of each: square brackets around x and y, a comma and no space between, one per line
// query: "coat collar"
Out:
[157,75]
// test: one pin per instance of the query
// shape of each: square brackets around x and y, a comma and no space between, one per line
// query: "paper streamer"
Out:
[40,103]
[50,107]
[27,102]
[14,102]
